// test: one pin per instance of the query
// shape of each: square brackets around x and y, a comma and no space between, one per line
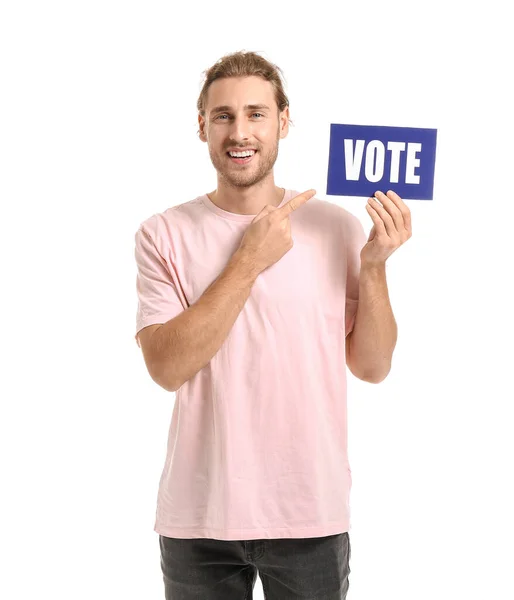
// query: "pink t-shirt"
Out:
[257,444]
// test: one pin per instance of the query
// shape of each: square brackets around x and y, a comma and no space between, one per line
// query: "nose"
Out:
[240,129]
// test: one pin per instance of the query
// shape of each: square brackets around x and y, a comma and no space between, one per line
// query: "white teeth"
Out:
[242,154]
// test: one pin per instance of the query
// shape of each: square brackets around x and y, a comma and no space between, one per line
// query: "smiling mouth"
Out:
[241,161]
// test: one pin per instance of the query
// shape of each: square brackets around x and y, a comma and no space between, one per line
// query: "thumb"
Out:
[265,211]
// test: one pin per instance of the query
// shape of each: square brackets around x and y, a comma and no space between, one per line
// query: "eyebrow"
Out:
[246,107]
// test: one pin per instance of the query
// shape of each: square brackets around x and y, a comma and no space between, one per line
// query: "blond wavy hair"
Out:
[244,64]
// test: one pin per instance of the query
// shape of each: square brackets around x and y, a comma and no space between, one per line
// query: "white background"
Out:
[98,132]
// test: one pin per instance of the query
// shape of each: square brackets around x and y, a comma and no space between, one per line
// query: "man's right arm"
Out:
[186,343]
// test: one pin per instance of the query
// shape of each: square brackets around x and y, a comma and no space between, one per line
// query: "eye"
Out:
[256,113]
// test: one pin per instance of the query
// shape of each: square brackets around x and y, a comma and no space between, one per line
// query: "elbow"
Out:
[169,387]
[371,379]
[369,376]
[375,377]
[163,379]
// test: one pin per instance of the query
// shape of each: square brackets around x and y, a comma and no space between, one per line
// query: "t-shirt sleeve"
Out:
[356,238]
[158,299]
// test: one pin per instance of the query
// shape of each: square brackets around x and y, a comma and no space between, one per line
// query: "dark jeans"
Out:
[290,568]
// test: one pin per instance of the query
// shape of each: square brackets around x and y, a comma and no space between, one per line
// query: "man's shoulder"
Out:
[162,223]
[327,207]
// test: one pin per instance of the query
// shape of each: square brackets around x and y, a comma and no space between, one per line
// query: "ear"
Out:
[201,130]
[284,122]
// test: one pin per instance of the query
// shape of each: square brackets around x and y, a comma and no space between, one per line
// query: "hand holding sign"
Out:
[392,228]
[364,157]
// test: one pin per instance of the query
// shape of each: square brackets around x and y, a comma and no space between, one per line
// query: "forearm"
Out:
[186,343]
[375,332]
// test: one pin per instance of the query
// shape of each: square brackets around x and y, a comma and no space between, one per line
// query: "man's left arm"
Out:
[370,344]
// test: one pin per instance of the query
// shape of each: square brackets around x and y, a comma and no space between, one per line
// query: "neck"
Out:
[246,200]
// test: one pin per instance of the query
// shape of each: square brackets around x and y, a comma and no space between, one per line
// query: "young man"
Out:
[252,300]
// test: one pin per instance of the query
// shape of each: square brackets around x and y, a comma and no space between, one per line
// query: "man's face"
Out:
[231,124]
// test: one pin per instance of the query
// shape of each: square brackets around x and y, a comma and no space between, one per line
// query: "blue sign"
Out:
[367,158]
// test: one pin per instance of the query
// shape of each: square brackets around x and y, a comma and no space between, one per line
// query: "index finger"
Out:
[294,203]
